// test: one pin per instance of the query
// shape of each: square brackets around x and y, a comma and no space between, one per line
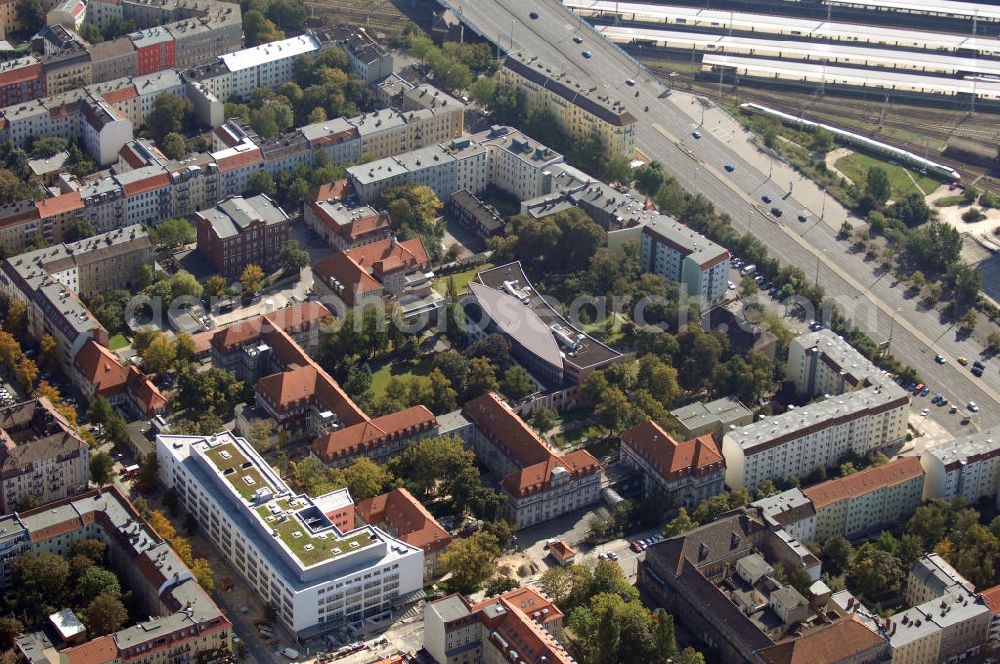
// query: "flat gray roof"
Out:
[970,449]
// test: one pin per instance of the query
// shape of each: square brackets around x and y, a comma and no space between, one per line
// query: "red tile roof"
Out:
[519,442]
[561,550]
[240,159]
[992,597]
[289,387]
[531,602]
[372,433]
[340,268]
[61,204]
[843,641]
[329,191]
[670,458]
[409,253]
[101,368]
[121,94]
[406,518]
[146,394]
[159,181]
[21,74]
[868,480]
[98,651]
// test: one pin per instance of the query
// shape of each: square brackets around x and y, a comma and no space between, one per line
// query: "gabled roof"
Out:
[288,387]
[340,273]
[406,518]
[101,368]
[866,481]
[992,597]
[843,641]
[50,207]
[670,458]
[98,651]
[352,439]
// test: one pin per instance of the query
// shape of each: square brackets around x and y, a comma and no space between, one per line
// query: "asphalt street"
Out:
[876,302]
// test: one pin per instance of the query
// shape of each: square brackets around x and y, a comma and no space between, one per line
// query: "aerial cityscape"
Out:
[503,331]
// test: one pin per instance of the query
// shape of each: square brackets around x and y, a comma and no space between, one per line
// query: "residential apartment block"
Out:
[239,231]
[684,473]
[518,625]
[822,362]
[538,484]
[947,621]
[719,581]
[101,116]
[302,554]
[404,517]
[14,541]
[868,501]
[51,282]
[42,458]
[800,440]
[853,506]
[183,624]
[579,110]
[968,467]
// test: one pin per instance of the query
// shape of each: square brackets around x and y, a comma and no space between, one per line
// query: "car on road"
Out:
[803,217]
[973,406]
[578,39]
[924,392]
[587,54]
[696,133]
[532,15]
[729,167]
[925,412]
[963,360]
[767,199]
[940,359]
[630,81]
[776,211]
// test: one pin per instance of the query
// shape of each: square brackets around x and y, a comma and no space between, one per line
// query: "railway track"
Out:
[861,117]
[385,18]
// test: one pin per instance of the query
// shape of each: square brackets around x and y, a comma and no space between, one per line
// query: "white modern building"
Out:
[299,553]
[968,467]
[268,65]
[801,440]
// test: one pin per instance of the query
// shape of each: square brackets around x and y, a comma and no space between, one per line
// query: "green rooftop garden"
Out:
[322,549]
[230,462]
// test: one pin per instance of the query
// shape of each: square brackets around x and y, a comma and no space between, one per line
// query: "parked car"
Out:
[940,359]
[767,199]
[532,15]
[924,392]
[696,133]
[973,406]
[587,54]
[729,168]
[578,39]
[776,211]
[917,388]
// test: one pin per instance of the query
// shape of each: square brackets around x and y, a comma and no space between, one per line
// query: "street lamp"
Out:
[818,254]
[822,212]
[892,327]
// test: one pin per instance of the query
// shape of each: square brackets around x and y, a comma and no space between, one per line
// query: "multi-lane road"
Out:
[878,303]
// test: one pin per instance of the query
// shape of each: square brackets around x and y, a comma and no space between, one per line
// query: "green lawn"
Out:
[418,367]
[462,279]
[600,331]
[575,436]
[855,166]
[117,341]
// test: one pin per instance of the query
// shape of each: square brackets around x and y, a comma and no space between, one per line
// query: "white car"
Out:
[731,285]
[925,412]
[973,406]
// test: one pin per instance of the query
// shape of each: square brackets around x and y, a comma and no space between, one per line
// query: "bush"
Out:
[972,215]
